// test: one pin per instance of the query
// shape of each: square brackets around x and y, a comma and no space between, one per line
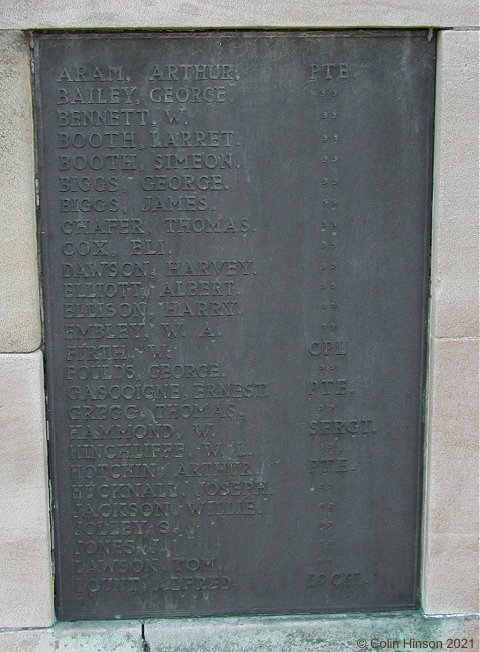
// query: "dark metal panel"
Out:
[234,234]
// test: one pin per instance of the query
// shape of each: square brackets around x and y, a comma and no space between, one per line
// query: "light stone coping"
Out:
[455,265]
[19,294]
[32,14]
[25,568]
[451,546]
[108,636]
[303,633]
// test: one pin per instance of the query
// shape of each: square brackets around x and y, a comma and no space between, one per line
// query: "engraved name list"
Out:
[234,232]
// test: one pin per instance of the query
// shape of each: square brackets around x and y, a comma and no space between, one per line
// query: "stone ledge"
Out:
[36,14]
[329,633]
[109,636]
[304,633]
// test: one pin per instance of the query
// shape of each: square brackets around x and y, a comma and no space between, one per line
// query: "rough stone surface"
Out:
[25,569]
[450,568]
[455,266]
[303,634]
[76,637]
[214,13]
[20,307]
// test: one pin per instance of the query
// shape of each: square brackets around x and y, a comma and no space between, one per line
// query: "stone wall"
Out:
[450,527]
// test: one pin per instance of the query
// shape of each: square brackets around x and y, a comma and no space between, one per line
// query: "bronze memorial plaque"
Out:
[235,236]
